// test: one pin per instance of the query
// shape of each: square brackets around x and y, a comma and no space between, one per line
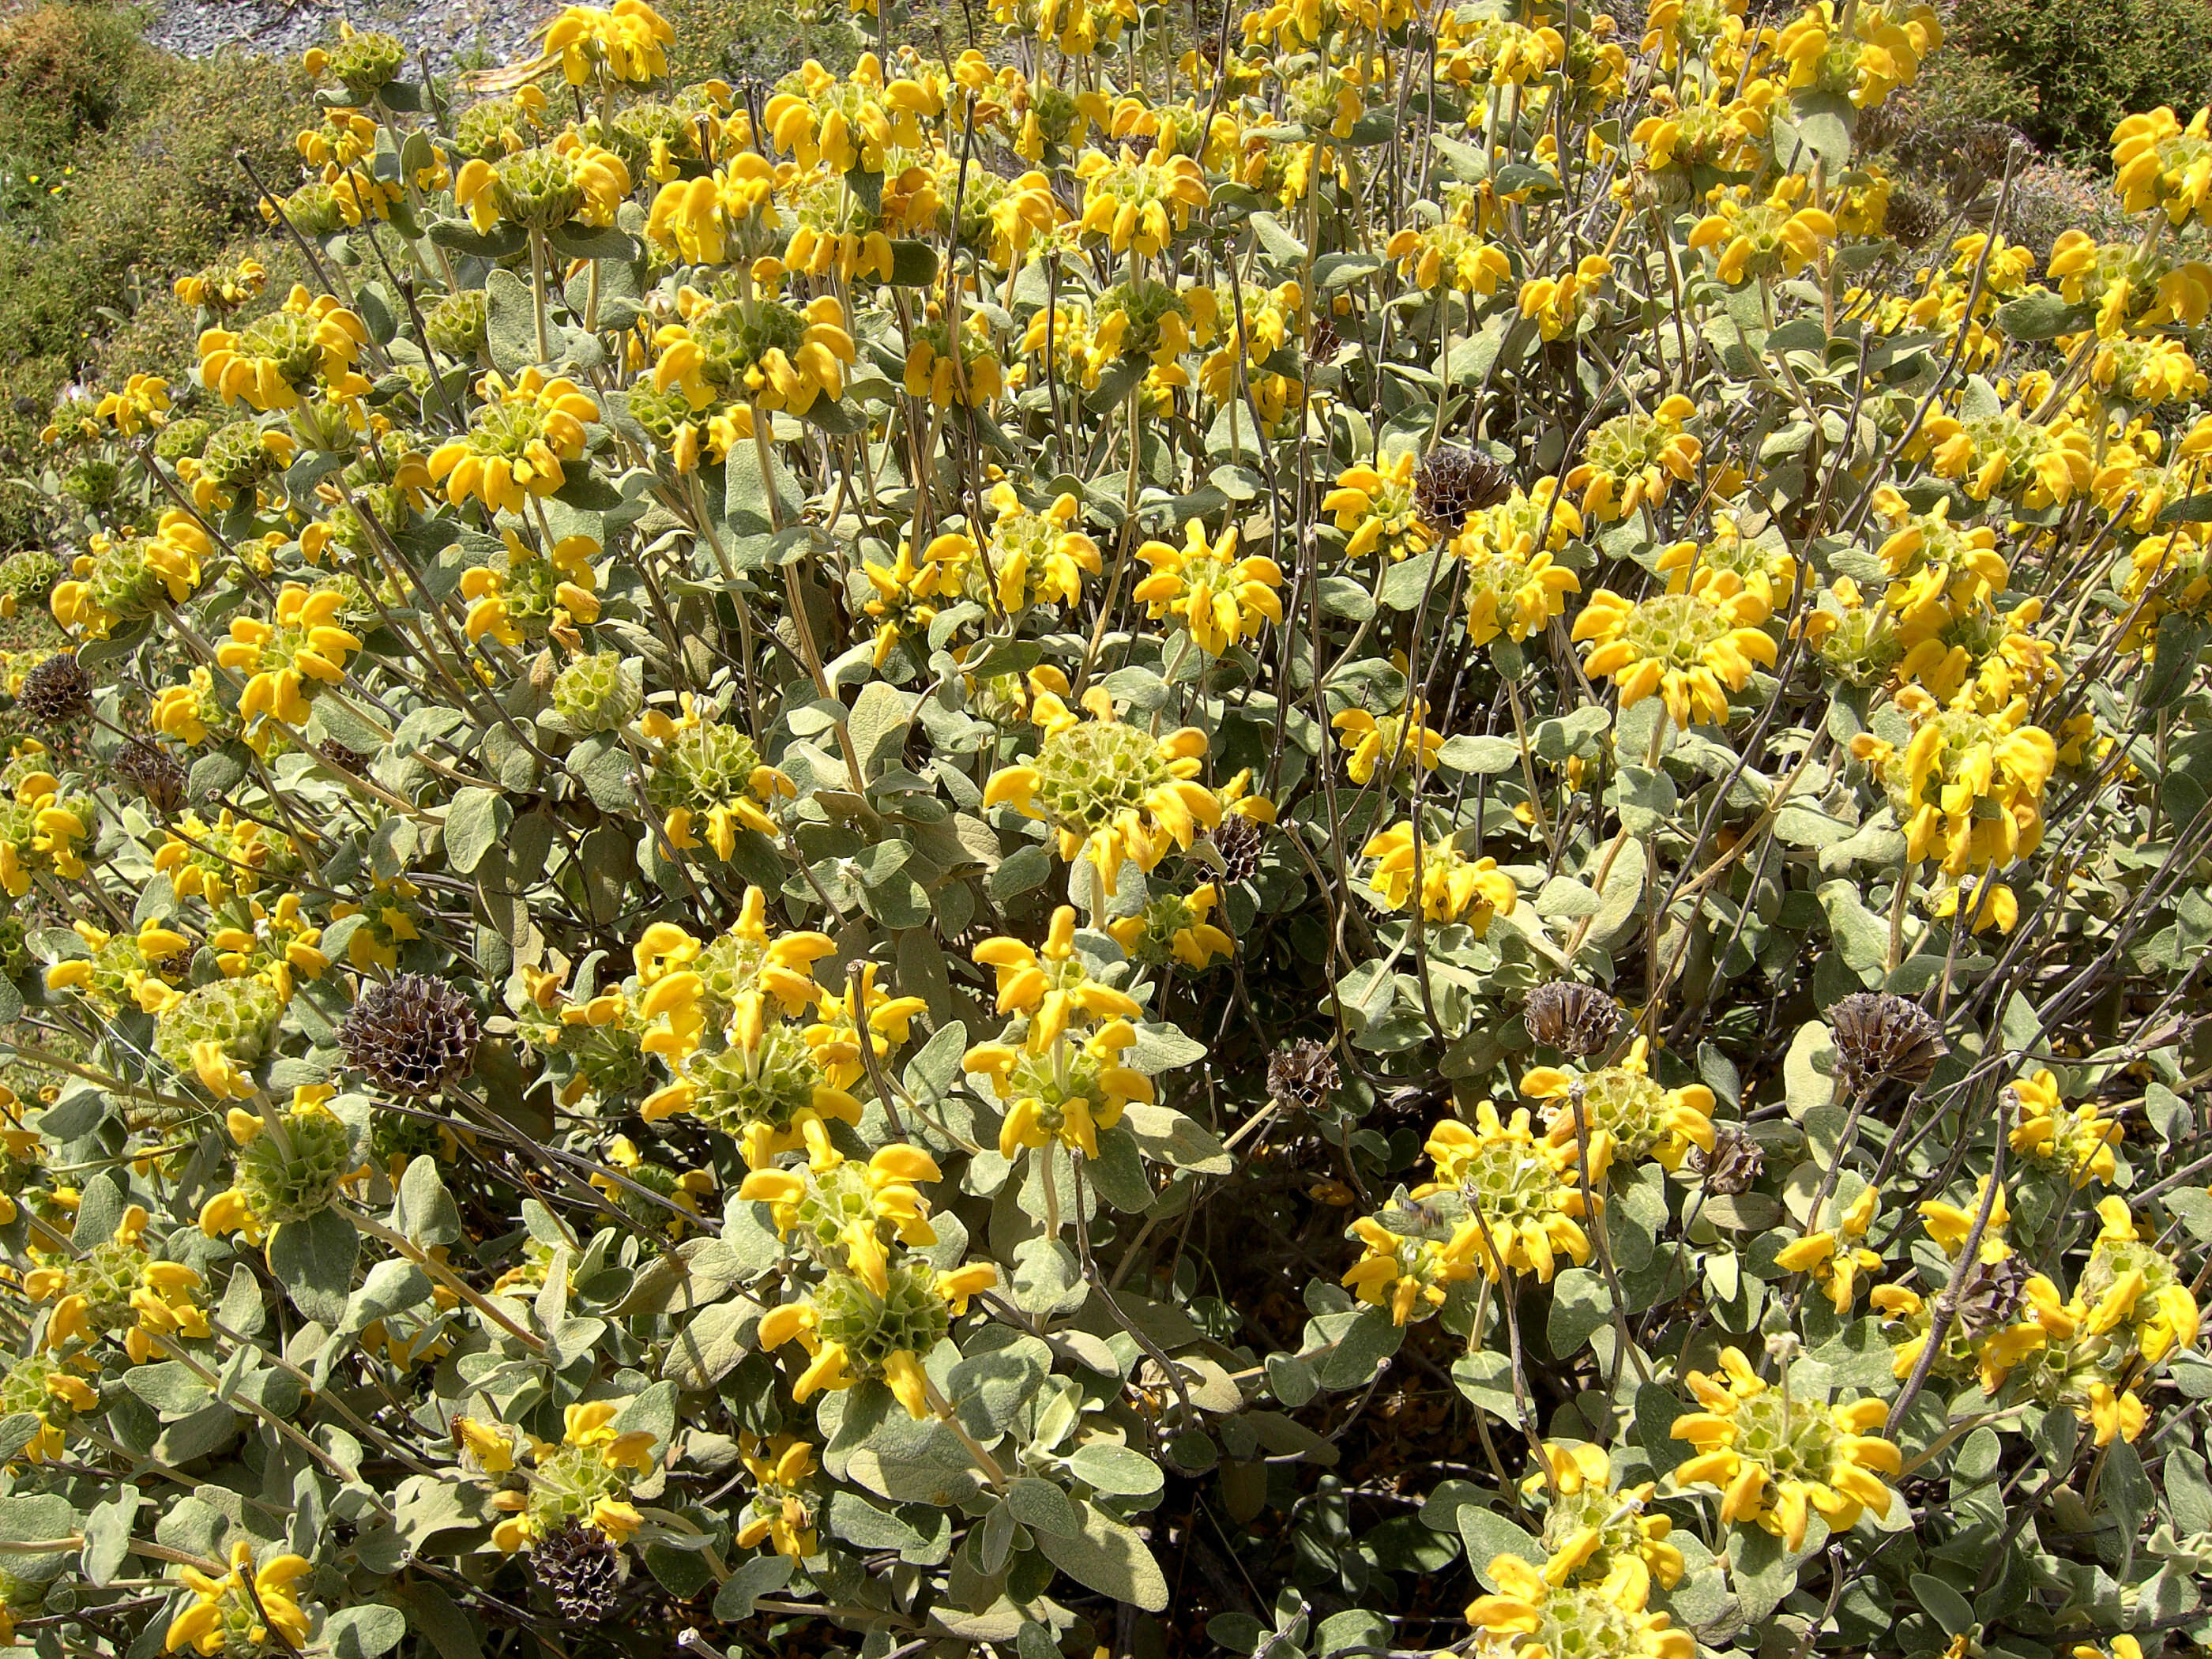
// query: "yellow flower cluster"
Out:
[1967,788]
[1691,648]
[1777,1460]
[1108,791]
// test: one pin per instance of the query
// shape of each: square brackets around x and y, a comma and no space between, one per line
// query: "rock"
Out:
[457,35]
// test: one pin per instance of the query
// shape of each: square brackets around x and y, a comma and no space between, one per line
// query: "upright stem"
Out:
[538,294]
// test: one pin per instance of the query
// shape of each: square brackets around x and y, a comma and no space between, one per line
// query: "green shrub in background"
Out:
[68,72]
[2064,72]
[739,40]
[151,189]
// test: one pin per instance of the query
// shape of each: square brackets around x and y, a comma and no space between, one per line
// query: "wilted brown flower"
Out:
[1578,1020]
[1303,1075]
[153,772]
[56,692]
[1238,838]
[1881,1037]
[1732,1166]
[413,1034]
[581,1571]
[1454,482]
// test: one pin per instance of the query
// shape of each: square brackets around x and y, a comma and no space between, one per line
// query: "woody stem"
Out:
[445,1276]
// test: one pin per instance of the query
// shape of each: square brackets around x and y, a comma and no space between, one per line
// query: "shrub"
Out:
[67,73]
[1376,805]
[156,193]
[741,40]
[2064,75]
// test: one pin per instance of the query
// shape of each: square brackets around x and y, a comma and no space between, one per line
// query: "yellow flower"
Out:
[1066,1090]
[852,1329]
[1691,648]
[681,1191]
[1513,587]
[1174,928]
[1556,302]
[835,1034]
[1038,557]
[1051,986]
[491,1444]
[273,360]
[2079,1143]
[1593,1531]
[303,642]
[223,287]
[2133,286]
[700,218]
[1717,131]
[116,1288]
[1376,509]
[704,772]
[850,123]
[2130,1311]
[1765,567]
[1870,51]
[388,925]
[291,1165]
[212,861]
[533,597]
[1409,1276]
[583,1480]
[1622,1114]
[1760,240]
[2159,163]
[840,234]
[623,42]
[1532,1618]
[516,442]
[1833,1257]
[1967,790]
[2113,1415]
[1453,886]
[1139,203]
[228,1614]
[1776,1460]
[782,1510]
[766,352]
[40,1386]
[946,372]
[542,189]
[1941,576]
[1509,54]
[345,136]
[2148,372]
[1220,598]
[142,402]
[2130,1281]
[2039,464]
[1633,459]
[1449,255]
[860,1209]
[1398,742]
[44,832]
[1523,1202]
[1109,791]
[908,596]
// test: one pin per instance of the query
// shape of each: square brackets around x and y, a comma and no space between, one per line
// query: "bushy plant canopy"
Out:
[1328,840]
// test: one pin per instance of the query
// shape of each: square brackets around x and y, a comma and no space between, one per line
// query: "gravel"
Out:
[456,33]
